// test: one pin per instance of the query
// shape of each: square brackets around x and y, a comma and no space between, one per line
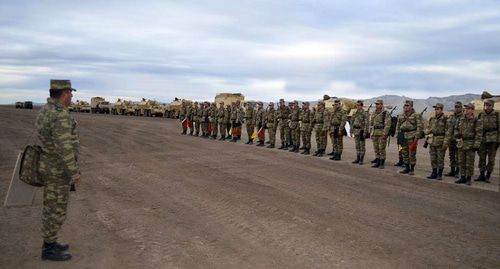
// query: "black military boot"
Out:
[183,132]
[412,170]
[357,159]
[292,149]
[302,148]
[248,142]
[400,162]
[406,170]
[222,138]
[481,176]
[339,157]
[376,164]
[55,252]
[306,152]
[381,164]
[433,174]
[297,149]
[361,158]
[282,146]
[271,146]
[331,153]
[320,153]
[374,160]
[439,174]
[457,172]
[488,175]
[461,180]
[251,142]
[451,173]
[468,181]
[260,144]
[334,157]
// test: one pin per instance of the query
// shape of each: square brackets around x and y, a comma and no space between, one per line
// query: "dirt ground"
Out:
[152,198]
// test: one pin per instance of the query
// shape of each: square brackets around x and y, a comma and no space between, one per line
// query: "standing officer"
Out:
[294,126]
[249,121]
[410,129]
[212,115]
[451,142]
[221,121]
[338,119]
[436,138]
[469,136]
[319,118]
[58,165]
[305,127]
[270,122]
[182,117]
[490,140]
[189,116]
[259,121]
[227,120]
[200,120]
[359,129]
[194,112]
[380,123]
[283,113]
[205,119]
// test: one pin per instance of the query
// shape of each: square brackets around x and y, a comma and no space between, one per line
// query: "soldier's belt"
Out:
[408,130]
[356,127]
[468,138]
[378,127]
[489,130]
[438,134]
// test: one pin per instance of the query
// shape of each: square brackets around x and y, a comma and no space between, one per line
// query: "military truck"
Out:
[19,104]
[99,105]
[119,107]
[479,103]
[173,108]
[229,98]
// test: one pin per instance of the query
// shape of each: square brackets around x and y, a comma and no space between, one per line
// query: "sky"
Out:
[266,50]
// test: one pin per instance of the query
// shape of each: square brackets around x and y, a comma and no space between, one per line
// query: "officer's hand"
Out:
[75,179]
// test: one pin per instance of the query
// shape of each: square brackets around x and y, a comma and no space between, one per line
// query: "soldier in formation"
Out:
[221,121]
[453,151]
[305,118]
[259,122]
[58,165]
[319,118]
[490,121]
[295,126]
[270,123]
[380,123]
[182,117]
[337,122]
[437,141]
[359,129]
[410,129]
[250,121]
[283,113]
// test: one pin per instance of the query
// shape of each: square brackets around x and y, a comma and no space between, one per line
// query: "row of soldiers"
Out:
[462,133]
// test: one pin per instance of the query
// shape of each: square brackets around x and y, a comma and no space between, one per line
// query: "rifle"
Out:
[368,110]
[423,111]
[389,135]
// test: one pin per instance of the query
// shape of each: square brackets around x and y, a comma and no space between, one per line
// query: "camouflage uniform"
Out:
[380,123]
[319,120]
[182,117]
[306,128]
[359,128]
[189,117]
[283,114]
[196,122]
[227,120]
[468,134]
[58,163]
[222,122]
[259,122]
[270,121]
[435,137]
[490,141]
[205,120]
[212,116]
[295,127]
[410,127]
[199,120]
[250,122]
[336,125]
[452,143]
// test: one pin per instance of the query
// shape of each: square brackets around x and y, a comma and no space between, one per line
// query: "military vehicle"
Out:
[143,108]
[119,107]
[174,108]
[99,105]
[229,98]
[347,104]
[479,103]
[28,105]
[19,104]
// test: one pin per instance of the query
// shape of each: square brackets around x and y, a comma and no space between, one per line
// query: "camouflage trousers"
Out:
[222,129]
[271,130]
[488,149]
[259,126]
[320,137]
[250,130]
[408,157]
[295,133]
[467,162]
[55,199]
[379,145]
[360,143]
[204,128]
[437,154]
[337,143]
[197,125]
[284,132]
[305,133]
[453,154]
[215,130]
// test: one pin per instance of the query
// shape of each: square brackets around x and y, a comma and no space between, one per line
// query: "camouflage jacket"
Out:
[491,126]
[380,123]
[220,115]
[200,113]
[249,115]
[189,113]
[470,131]
[359,123]
[212,114]
[57,133]
[271,119]
[260,113]
[204,114]
[194,111]
[319,118]
[452,125]
[305,120]
[283,114]
[227,115]
[182,113]
[437,127]
[294,117]
[337,120]
[410,124]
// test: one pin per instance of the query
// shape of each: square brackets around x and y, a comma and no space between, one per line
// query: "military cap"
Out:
[305,103]
[321,102]
[458,103]
[271,103]
[295,102]
[282,100]
[470,105]
[221,102]
[409,102]
[489,101]
[260,103]
[337,101]
[59,84]
[195,103]
[379,101]
[359,102]
[438,105]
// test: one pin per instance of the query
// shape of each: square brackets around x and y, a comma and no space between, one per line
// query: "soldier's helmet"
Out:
[470,105]
[305,103]
[61,84]
[409,102]
[490,102]
[379,101]
[438,105]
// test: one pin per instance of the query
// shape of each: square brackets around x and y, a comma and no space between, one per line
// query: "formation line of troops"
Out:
[462,133]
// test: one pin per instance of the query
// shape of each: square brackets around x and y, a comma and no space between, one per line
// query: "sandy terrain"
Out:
[152,198]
